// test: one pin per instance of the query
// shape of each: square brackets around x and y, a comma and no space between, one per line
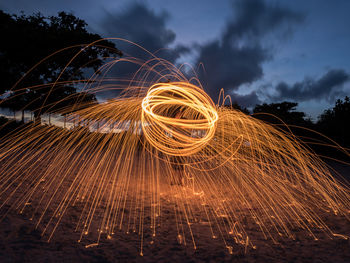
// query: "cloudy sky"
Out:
[257,51]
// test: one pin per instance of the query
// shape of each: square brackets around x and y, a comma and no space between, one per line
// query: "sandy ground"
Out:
[21,242]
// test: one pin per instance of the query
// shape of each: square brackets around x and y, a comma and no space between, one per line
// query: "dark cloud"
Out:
[247,101]
[256,18]
[139,24]
[328,87]
[237,56]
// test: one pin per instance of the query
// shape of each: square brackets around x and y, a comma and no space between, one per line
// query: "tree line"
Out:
[332,127]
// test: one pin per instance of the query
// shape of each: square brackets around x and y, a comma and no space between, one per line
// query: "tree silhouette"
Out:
[284,111]
[335,122]
[29,39]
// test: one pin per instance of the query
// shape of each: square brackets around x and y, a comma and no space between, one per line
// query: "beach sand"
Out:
[20,241]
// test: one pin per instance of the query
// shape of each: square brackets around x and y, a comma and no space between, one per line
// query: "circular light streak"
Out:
[178,118]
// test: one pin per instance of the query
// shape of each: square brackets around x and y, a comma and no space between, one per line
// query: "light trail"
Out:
[232,166]
[174,136]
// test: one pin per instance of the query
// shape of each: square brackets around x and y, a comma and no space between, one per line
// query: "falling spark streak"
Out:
[233,166]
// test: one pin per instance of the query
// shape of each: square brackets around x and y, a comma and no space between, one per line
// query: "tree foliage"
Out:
[284,111]
[29,39]
[334,122]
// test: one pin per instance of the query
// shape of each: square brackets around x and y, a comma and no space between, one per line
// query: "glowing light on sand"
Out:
[232,166]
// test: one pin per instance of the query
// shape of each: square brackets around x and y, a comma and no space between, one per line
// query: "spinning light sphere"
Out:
[178,118]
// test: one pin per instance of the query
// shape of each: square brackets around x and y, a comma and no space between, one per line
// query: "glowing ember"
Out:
[231,166]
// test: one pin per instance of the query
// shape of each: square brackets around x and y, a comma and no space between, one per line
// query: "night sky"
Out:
[258,51]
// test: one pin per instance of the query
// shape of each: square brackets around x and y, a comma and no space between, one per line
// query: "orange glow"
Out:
[233,166]
[171,135]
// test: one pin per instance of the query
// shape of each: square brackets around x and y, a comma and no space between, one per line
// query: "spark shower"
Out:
[232,165]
